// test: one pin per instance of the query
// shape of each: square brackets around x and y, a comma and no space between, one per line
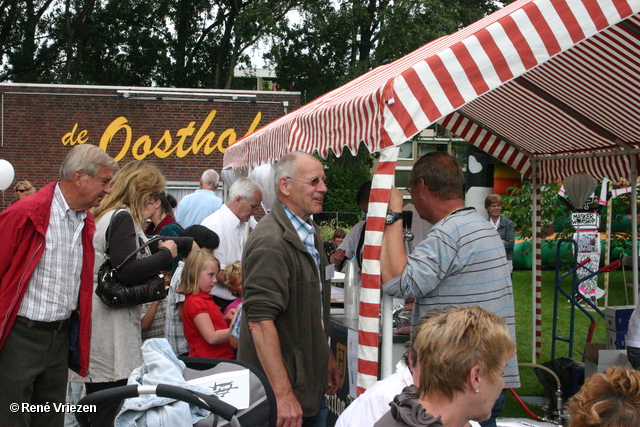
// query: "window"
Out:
[406,151]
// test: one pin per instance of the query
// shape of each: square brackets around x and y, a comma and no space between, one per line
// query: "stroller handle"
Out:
[211,403]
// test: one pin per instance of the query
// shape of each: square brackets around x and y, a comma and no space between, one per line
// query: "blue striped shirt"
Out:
[461,261]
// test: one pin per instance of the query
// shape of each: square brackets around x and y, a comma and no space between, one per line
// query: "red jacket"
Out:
[23,226]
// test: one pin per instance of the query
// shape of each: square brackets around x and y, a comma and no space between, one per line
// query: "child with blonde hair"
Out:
[233,281]
[205,329]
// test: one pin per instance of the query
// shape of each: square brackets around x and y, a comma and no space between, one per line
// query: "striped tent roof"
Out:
[553,81]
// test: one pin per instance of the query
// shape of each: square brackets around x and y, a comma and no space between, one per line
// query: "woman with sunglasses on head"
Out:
[116,331]
[24,189]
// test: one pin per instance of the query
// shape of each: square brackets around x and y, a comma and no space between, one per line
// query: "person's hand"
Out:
[334,375]
[169,244]
[289,411]
[231,314]
[337,256]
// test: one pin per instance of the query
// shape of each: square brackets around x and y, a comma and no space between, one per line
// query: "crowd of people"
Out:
[260,292]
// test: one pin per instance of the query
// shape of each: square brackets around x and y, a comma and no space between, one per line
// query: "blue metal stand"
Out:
[574,297]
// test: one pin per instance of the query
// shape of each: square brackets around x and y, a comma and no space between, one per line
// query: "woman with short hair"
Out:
[462,354]
[504,226]
[23,189]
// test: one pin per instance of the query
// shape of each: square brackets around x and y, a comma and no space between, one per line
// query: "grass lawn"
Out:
[522,295]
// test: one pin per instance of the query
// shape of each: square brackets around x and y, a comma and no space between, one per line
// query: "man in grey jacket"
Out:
[286,296]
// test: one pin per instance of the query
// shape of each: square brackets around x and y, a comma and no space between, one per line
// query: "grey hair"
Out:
[287,167]
[210,177]
[86,158]
[244,187]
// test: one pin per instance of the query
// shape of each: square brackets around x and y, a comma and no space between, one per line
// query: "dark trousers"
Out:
[633,354]
[319,419]
[33,370]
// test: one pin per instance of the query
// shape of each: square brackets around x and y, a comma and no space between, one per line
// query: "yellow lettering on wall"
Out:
[117,125]
[166,146]
[229,135]
[144,142]
[196,145]
[183,134]
[254,123]
[70,139]
[166,140]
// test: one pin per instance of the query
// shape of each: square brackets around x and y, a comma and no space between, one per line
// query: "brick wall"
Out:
[40,123]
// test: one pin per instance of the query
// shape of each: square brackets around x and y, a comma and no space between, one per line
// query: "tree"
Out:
[195,43]
[345,175]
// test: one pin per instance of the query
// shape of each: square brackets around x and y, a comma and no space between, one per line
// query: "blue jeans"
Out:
[633,354]
[498,407]
[319,419]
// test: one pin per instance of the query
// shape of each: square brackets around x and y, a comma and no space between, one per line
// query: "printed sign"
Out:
[230,387]
[585,220]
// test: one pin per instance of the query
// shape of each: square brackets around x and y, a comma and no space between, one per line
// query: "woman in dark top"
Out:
[504,226]
[115,331]
[162,219]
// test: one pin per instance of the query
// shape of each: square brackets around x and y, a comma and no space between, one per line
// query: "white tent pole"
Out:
[386,350]
[534,261]
[607,246]
[634,229]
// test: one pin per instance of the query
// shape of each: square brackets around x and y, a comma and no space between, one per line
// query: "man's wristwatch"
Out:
[393,217]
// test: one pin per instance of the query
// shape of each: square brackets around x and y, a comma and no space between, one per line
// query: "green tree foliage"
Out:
[345,175]
[195,43]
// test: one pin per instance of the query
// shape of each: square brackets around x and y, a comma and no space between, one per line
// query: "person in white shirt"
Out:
[230,223]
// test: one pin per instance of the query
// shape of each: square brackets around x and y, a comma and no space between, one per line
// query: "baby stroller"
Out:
[261,412]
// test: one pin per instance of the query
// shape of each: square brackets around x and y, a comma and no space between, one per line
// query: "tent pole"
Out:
[535,230]
[634,228]
[386,351]
[607,254]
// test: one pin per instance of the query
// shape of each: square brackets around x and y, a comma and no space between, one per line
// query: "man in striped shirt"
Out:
[461,261]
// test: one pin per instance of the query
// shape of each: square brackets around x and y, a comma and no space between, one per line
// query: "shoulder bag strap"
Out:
[132,254]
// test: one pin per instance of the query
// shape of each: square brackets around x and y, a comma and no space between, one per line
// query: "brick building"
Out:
[182,131]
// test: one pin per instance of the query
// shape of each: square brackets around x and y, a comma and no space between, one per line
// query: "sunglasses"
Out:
[20,191]
[313,182]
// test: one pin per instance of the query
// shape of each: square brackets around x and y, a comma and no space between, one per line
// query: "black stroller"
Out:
[261,412]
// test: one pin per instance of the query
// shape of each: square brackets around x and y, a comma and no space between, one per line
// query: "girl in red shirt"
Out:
[205,329]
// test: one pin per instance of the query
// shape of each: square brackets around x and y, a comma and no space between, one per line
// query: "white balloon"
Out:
[6,174]
[229,176]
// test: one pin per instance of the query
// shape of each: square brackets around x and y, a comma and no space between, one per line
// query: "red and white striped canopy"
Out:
[552,81]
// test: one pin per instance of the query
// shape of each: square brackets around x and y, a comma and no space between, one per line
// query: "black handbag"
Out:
[116,294]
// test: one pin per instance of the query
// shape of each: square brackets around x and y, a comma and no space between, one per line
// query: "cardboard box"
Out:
[598,359]
[617,317]
[616,340]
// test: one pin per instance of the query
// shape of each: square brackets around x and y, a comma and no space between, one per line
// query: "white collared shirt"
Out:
[231,232]
[52,292]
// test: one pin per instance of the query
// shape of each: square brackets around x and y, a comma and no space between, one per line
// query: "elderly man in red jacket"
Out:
[46,285]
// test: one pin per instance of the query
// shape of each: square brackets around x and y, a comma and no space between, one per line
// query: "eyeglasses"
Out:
[254,207]
[313,182]
[20,191]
